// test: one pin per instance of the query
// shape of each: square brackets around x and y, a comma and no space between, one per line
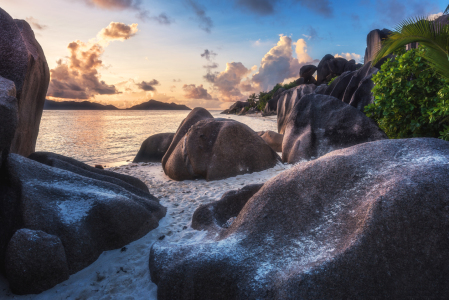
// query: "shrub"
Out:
[410,99]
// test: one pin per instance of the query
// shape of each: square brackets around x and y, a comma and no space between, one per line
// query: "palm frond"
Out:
[432,35]
[447,10]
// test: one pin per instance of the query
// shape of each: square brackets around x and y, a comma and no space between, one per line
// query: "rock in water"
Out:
[319,124]
[236,107]
[218,149]
[88,210]
[23,62]
[35,262]
[370,221]
[154,148]
[8,114]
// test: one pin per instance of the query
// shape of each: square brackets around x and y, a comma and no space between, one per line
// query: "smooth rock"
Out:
[374,43]
[154,148]
[319,124]
[273,139]
[216,149]
[35,262]
[307,71]
[23,62]
[8,113]
[366,222]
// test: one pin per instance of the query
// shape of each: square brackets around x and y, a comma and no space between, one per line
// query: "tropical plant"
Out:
[411,99]
[433,35]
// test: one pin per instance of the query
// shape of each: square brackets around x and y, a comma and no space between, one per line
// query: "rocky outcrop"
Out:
[368,222]
[216,149]
[154,148]
[23,62]
[374,43]
[307,72]
[8,114]
[319,124]
[236,107]
[272,104]
[330,67]
[196,115]
[273,139]
[87,209]
[288,100]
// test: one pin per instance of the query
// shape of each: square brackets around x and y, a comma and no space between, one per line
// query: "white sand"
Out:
[125,274]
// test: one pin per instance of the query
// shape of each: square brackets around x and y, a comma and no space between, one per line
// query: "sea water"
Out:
[113,138]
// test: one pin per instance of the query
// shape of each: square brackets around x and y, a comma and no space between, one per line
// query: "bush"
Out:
[264,97]
[410,99]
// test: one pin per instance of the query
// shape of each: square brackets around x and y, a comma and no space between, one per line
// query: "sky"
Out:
[197,52]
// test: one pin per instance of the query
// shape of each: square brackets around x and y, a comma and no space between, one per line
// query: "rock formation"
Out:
[23,62]
[216,149]
[369,221]
[236,107]
[273,139]
[318,124]
[8,114]
[154,148]
[374,43]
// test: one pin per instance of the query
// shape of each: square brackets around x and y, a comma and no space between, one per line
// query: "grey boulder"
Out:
[319,124]
[23,62]
[154,148]
[8,114]
[366,222]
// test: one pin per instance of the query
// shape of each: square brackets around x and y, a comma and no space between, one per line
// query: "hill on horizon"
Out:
[87,105]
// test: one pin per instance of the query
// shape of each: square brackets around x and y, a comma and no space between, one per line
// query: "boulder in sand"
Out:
[370,221]
[35,261]
[23,62]
[236,107]
[218,148]
[87,209]
[319,124]
[154,148]
[273,139]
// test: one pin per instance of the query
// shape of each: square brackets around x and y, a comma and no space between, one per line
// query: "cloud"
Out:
[205,22]
[78,77]
[136,5]
[35,23]
[176,80]
[279,64]
[312,34]
[196,92]
[430,17]
[163,19]
[118,32]
[268,7]
[208,54]
[228,82]
[148,86]
[172,88]
[349,56]
[391,12]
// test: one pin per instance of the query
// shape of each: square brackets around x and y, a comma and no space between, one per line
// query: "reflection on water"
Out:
[113,137]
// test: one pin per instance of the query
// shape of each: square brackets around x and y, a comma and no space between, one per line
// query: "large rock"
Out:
[196,115]
[319,124]
[366,222]
[374,43]
[8,114]
[154,148]
[330,67]
[218,148]
[35,261]
[89,213]
[272,104]
[273,139]
[236,107]
[307,71]
[23,62]
[129,183]
[288,100]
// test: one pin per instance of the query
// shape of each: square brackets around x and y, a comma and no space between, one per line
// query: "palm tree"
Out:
[433,35]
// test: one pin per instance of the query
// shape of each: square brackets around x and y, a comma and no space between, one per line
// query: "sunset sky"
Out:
[195,52]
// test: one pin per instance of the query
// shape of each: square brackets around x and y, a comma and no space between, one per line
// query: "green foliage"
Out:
[264,97]
[411,100]
[434,36]
[332,80]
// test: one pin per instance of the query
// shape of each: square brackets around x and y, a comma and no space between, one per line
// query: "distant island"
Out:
[86,105]
[157,105]
[73,105]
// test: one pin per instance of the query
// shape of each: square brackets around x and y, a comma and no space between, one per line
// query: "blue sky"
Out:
[160,57]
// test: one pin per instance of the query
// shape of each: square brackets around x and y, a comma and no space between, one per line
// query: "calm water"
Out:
[114,137]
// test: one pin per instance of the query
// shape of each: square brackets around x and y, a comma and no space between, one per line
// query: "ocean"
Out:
[113,138]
